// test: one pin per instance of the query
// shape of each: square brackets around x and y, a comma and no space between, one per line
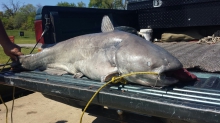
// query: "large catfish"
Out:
[100,56]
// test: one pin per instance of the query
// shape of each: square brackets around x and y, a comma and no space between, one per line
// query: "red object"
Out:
[12,38]
[183,75]
[38,30]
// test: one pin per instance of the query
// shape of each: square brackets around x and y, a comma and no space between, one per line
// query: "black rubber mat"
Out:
[192,55]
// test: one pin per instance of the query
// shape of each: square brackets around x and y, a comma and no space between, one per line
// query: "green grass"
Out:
[4,58]
[28,38]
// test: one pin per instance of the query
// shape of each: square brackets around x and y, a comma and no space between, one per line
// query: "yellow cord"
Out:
[5,65]
[12,107]
[113,80]
[6,109]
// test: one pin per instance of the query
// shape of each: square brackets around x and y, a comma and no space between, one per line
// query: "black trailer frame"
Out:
[198,102]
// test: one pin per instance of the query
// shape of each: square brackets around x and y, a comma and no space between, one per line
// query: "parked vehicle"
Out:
[194,103]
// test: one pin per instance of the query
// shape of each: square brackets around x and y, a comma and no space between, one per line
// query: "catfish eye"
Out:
[149,64]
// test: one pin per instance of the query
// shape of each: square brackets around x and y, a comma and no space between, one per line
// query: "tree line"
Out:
[21,16]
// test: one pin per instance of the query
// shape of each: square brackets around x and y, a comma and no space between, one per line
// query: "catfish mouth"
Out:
[166,78]
[179,75]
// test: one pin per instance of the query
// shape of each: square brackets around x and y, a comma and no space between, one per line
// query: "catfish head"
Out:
[135,54]
[138,55]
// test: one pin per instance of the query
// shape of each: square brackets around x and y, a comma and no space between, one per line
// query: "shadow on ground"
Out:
[104,120]
[62,121]
[7,93]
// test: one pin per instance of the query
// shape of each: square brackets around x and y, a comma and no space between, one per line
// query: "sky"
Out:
[41,2]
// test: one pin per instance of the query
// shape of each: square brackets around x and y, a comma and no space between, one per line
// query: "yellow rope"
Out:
[5,65]
[12,107]
[113,80]
[6,109]
[1,96]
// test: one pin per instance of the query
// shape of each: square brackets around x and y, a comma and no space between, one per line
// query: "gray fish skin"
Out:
[102,54]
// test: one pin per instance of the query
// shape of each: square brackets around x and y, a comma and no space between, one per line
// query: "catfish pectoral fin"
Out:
[109,76]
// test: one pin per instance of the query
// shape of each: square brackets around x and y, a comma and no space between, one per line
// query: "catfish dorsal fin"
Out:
[107,25]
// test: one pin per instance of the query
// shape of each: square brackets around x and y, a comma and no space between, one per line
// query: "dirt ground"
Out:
[35,108]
